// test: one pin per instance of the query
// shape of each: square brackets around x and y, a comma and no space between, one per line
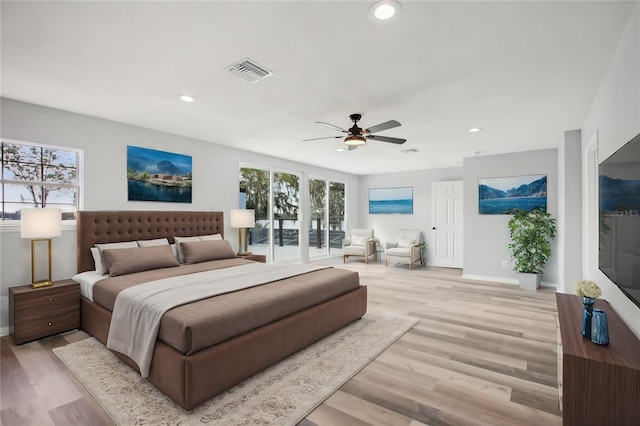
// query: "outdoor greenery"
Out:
[531,233]
[286,197]
[41,171]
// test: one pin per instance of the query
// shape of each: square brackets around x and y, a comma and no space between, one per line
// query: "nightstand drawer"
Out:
[44,304]
[34,328]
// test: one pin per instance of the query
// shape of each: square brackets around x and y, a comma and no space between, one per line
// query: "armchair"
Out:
[360,243]
[406,250]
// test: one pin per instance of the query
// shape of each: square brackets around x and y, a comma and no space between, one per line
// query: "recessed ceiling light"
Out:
[341,149]
[186,98]
[475,129]
[385,9]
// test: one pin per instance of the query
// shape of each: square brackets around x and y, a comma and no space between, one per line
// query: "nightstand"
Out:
[255,257]
[44,311]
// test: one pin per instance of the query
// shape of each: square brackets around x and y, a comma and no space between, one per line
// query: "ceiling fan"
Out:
[357,136]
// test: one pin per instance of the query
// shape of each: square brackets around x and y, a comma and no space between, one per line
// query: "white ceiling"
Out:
[523,71]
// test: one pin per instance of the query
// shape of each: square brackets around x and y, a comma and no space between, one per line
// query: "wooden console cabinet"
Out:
[39,312]
[600,384]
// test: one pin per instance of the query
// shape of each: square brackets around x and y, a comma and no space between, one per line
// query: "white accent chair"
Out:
[360,243]
[406,250]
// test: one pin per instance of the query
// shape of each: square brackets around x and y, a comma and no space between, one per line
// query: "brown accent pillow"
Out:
[201,251]
[129,260]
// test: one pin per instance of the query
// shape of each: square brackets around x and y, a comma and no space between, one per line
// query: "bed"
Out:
[192,367]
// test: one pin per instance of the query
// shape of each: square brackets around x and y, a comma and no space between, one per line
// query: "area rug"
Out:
[281,395]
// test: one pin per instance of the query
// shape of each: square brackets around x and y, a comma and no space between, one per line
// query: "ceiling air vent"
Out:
[249,70]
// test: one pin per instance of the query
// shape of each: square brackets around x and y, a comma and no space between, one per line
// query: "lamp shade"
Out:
[243,218]
[40,223]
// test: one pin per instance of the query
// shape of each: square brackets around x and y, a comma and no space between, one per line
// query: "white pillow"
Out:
[111,246]
[152,243]
[405,243]
[214,237]
[357,240]
[179,240]
[97,260]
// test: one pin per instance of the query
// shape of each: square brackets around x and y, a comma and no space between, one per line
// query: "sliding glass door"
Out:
[286,225]
[275,197]
[326,217]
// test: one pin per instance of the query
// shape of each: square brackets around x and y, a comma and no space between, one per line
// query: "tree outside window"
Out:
[38,176]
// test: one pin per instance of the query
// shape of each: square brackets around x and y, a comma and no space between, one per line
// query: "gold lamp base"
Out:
[42,283]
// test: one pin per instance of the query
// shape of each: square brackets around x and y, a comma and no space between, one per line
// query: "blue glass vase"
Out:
[599,328]
[587,315]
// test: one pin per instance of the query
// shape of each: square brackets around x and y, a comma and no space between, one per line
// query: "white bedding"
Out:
[87,280]
[137,312]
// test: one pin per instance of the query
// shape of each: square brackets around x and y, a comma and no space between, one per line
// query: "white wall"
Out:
[486,237]
[386,226]
[570,210]
[615,116]
[215,179]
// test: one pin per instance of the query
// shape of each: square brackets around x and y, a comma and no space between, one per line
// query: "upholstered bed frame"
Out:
[192,379]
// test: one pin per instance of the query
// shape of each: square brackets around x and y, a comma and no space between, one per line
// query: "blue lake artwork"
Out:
[504,195]
[391,200]
[154,175]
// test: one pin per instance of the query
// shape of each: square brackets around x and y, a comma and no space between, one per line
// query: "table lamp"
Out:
[40,225]
[242,219]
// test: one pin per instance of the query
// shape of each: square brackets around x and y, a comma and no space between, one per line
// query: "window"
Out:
[35,175]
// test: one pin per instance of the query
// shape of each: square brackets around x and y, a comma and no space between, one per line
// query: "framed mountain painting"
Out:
[154,175]
[503,195]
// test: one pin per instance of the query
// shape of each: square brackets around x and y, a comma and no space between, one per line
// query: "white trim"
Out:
[504,280]
[591,221]
[494,279]
[14,226]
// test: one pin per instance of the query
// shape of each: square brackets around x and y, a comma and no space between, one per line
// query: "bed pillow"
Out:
[138,259]
[180,240]
[214,237]
[112,246]
[97,260]
[202,251]
[153,243]
[405,243]
[357,240]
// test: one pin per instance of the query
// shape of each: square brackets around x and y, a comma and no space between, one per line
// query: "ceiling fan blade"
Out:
[386,139]
[327,137]
[383,126]
[324,123]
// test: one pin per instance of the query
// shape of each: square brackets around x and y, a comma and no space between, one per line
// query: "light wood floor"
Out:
[482,354]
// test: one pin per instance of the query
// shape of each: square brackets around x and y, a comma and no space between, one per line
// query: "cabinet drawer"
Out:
[45,304]
[30,329]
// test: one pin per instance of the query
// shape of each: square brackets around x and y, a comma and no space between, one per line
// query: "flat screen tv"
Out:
[619,185]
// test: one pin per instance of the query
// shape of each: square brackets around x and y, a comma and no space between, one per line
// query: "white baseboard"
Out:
[4,331]
[503,280]
[493,279]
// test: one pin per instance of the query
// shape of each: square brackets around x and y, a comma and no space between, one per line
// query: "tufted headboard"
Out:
[117,226]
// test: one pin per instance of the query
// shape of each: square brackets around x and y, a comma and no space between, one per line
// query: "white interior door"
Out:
[447,220]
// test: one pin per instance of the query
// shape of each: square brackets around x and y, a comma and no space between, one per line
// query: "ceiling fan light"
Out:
[354,140]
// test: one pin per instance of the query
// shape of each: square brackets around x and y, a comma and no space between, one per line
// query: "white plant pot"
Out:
[530,282]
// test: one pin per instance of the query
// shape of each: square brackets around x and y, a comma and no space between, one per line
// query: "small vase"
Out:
[600,328]
[587,314]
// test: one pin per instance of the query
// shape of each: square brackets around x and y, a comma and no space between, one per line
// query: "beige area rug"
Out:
[281,395]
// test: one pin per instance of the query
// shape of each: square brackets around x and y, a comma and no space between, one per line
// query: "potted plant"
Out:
[531,233]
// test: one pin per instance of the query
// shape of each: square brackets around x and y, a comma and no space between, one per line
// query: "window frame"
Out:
[79,185]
